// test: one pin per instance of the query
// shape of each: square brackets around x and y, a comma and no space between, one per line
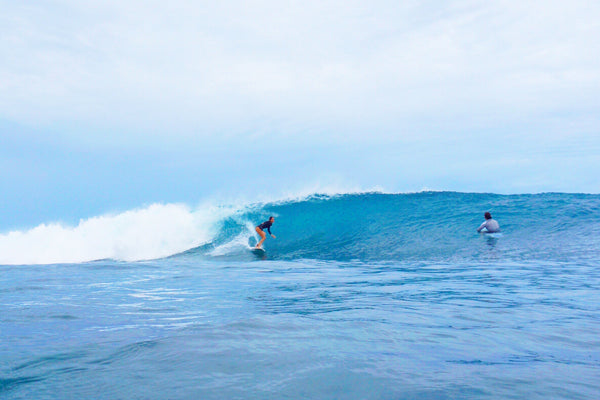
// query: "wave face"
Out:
[370,227]
[432,226]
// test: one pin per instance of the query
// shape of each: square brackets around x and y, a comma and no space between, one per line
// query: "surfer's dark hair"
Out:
[271,217]
[487,215]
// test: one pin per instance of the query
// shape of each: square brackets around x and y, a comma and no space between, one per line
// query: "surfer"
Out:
[490,225]
[259,229]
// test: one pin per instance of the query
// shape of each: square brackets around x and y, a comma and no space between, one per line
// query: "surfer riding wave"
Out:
[260,230]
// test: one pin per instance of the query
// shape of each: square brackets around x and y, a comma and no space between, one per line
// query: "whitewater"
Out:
[362,295]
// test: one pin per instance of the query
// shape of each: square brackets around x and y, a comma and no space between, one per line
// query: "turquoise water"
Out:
[366,296]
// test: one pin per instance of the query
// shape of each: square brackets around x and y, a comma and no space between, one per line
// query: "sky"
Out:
[111,105]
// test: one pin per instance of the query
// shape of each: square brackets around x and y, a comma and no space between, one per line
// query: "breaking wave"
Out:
[345,227]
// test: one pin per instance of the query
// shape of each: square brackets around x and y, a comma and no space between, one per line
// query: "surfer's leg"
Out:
[262,235]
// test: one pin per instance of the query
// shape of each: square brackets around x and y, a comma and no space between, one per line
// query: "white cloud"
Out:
[190,68]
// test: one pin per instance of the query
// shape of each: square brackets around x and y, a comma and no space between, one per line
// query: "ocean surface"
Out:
[360,296]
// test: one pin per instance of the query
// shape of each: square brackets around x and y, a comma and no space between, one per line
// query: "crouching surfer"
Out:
[260,230]
[490,225]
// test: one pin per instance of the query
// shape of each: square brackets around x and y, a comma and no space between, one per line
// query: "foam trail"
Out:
[238,243]
[153,232]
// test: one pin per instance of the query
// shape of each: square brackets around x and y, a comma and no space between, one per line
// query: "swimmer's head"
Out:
[273,219]
[487,215]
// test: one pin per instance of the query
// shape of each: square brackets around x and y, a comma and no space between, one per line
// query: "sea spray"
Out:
[156,231]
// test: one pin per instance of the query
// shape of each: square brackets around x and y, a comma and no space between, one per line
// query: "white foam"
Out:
[156,231]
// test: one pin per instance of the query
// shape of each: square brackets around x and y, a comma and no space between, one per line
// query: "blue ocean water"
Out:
[361,296]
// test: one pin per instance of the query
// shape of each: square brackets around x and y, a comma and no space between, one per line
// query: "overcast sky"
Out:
[106,105]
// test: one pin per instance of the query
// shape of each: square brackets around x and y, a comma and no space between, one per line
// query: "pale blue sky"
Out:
[109,105]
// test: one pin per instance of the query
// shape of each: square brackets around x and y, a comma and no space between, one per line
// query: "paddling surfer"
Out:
[490,225]
[260,230]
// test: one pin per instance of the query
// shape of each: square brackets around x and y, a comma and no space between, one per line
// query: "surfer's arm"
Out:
[481,226]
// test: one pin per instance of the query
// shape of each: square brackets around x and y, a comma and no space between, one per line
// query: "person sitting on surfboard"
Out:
[490,225]
[259,229]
